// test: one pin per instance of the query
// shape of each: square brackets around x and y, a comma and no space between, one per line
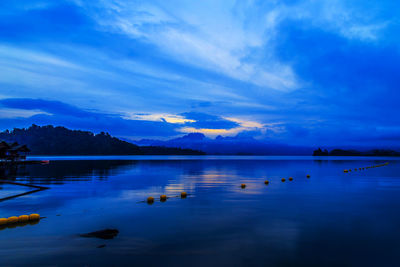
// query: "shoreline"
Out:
[208,157]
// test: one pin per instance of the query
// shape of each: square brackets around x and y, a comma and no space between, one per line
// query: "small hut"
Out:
[13,152]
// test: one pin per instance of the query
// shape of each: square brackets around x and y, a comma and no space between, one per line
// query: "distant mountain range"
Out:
[50,140]
[238,145]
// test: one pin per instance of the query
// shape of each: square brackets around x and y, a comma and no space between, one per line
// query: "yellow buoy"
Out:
[163,198]
[345,171]
[266,182]
[12,219]
[150,200]
[34,217]
[3,221]
[290,178]
[23,218]
[283,179]
[243,185]
[183,195]
[308,176]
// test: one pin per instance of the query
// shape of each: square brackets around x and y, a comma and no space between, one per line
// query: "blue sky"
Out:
[297,72]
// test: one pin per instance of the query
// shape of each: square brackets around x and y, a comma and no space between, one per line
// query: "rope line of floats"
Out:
[365,168]
[20,220]
[150,200]
[163,198]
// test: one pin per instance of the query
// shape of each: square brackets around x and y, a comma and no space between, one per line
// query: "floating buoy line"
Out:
[366,168]
[21,220]
[163,198]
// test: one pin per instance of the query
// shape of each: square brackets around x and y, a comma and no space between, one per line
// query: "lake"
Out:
[330,219]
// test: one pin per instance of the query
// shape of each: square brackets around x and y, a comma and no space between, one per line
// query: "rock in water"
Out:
[103,234]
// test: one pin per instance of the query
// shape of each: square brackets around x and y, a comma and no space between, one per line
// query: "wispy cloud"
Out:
[12,113]
[204,34]
[170,118]
[347,19]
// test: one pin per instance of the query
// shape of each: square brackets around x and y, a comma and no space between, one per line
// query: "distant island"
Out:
[50,140]
[342,152]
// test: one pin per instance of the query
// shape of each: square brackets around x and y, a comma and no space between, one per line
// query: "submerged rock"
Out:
[103,234]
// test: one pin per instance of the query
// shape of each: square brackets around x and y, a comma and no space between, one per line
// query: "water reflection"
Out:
[18,224]
[330,219]
[58,172]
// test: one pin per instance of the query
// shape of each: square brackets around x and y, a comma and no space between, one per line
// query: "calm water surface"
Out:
[331,219]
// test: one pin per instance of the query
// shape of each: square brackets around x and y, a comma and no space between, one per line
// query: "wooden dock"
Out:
[37,188]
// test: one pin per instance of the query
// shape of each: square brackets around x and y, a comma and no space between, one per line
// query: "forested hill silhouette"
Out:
[342,152]
[50,140]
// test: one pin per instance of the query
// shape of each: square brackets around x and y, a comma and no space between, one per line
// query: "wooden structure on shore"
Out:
[13,152]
